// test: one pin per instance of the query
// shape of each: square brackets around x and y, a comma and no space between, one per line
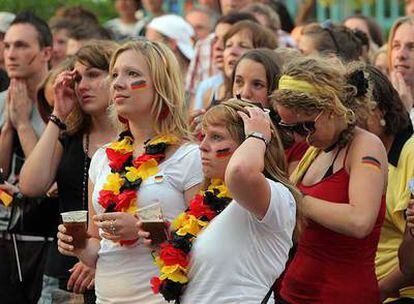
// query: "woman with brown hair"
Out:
[343,178]
[77,127]
[153,161]
[240,38]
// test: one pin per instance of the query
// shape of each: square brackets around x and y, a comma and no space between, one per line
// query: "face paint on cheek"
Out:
[139,85]
[223,153]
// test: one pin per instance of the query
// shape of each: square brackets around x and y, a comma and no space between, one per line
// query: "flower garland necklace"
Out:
[119,193]
[174,255]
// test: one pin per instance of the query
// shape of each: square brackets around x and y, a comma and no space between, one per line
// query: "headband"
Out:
[289,83]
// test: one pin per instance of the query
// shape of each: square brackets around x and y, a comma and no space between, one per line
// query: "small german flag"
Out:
[371,162]
[138,85]
[5,198]
[223,153]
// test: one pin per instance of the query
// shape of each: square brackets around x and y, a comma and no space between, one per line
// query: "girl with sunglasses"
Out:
[343,178]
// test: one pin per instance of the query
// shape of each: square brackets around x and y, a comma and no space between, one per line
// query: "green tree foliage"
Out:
[104,9]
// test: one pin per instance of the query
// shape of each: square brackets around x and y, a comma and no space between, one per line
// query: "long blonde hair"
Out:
[168,110]
[275,164]
[394,28]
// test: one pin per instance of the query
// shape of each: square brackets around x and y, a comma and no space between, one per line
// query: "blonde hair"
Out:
[275,164]
[168,108]
[332,90]
[394,28]
[96,54]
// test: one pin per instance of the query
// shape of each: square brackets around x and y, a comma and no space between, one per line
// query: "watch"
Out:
[258,135]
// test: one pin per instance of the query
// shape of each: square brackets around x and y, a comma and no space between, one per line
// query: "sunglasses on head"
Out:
[303,128]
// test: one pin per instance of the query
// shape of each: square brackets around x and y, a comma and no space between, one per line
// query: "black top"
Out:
[69,178]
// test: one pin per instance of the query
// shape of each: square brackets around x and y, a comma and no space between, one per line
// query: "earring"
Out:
[382,122]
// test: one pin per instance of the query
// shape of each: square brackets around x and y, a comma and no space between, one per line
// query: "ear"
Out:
[47,53]
[173,45]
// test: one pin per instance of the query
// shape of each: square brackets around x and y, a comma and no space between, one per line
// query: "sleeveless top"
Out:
[330,267]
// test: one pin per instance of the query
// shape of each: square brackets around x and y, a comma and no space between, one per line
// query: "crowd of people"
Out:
[280,155]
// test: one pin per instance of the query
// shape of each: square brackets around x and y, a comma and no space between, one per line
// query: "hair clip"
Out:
[238,96]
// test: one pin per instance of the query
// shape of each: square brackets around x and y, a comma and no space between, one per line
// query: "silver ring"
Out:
[112,227]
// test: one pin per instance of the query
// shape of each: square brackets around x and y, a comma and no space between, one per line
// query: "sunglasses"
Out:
[303,128]
[328,26]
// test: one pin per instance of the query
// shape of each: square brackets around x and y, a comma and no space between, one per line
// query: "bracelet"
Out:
[260,136]
[57,121]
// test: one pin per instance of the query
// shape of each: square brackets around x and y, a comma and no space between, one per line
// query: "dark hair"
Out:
[373,28]
[61,24]
[333,38]
[44,35]
[87,32]
[286,20]
[269,60]
[262,37]
[388,101]
[76,13]
[233,18]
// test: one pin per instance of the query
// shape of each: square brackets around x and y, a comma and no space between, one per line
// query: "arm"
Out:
[393,282]
[39,169]
[366,187]
[6,147]
[406,250]
[244,176]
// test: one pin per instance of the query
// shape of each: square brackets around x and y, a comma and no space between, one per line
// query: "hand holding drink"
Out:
[75,223]
[152,221]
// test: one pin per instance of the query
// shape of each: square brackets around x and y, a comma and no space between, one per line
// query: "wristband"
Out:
[56,120]
[260,136]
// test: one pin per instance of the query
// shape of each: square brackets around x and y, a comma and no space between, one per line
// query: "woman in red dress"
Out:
[342,176]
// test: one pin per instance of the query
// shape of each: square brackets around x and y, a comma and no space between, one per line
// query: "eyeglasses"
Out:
[327,26]
[303,128]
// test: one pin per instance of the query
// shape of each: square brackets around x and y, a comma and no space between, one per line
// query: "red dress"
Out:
[329,267]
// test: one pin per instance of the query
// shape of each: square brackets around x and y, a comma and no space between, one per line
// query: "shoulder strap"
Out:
[269,293]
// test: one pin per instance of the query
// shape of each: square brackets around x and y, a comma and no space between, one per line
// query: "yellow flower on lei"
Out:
[113,183]
[175,273]
[147,169]
[218,184]
[123,146]
[188,224]
[170,140]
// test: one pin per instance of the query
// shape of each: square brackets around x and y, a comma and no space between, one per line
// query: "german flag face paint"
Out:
[139,85]
[371,162]
[223,153]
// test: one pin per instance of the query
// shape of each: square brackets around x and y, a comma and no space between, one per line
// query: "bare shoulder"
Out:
[367,144]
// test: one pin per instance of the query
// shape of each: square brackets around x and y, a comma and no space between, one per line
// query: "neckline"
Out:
[324,178]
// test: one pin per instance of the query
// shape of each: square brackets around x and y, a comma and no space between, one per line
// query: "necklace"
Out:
[173,256]
[85,172]
[119,193]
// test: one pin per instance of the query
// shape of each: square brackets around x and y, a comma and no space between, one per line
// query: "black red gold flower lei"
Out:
[119,193]
[173,256]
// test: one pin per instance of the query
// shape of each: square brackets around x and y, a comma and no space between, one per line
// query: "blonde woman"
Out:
[241,252]
[343,178]
[152,161]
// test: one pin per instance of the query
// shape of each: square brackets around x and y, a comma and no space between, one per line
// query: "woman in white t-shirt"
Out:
[153,161]
[243,250]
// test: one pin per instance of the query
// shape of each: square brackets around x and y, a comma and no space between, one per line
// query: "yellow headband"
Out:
[289,83]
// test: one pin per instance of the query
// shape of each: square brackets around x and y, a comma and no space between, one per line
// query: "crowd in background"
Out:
[309,125]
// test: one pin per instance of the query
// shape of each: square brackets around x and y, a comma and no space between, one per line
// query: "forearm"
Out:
[27,137]
[247,159]
[39,169]
[341,218]
[393,282]
[6,148]
[89,255]
[406,254]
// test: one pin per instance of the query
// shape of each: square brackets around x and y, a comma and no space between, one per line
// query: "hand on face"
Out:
[64,93]
[256,120]
[19,103]
[403,89]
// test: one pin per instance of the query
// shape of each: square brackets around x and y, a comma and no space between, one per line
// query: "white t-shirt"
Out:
[237,258]
[123,273]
